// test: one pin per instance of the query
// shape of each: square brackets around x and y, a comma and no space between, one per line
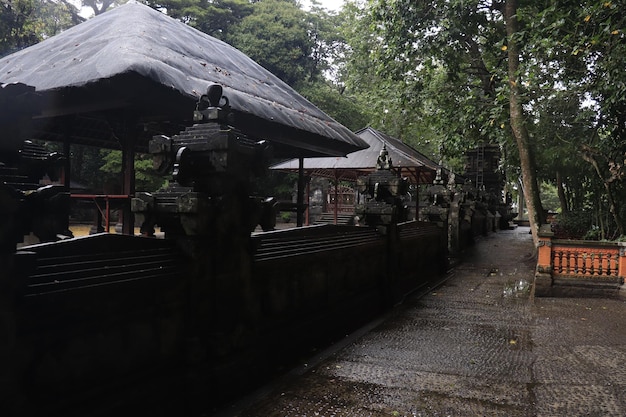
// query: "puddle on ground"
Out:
[517,288]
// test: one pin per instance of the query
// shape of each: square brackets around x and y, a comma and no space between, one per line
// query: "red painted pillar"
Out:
[543,273]
[544,249]
[621,270]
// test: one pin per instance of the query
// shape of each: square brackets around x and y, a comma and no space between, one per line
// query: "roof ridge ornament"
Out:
[384,160]
[213,107]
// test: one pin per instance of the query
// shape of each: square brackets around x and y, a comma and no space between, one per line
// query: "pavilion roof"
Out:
[137,67]
[405,159]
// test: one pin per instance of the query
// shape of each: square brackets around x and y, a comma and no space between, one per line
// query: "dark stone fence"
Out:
[112,324]
[84,320]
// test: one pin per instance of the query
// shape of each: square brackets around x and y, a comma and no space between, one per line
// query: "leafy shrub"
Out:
[593,234]
[572,225]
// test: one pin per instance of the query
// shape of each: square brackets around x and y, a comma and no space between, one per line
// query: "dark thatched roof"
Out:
[408,161]
[135,71]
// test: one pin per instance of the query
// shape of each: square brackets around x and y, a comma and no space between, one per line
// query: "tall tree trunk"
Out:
[518,125]
[561,193]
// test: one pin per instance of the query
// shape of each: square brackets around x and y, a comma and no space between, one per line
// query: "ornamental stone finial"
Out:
[384,161]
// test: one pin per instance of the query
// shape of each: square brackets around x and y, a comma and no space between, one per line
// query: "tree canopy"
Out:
[544,79]
[214,17]
[26,22]
[276,35]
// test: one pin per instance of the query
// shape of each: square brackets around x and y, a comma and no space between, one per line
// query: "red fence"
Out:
[580,261]
[589,261]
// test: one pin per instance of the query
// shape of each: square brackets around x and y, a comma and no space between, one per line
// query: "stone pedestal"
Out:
[385,190]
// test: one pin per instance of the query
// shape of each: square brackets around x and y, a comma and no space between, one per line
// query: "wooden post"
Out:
[308,201]
[417,194]
[128,182]
[67,164]
[336,196]
[300,202]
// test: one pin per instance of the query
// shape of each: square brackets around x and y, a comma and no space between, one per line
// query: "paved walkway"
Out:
[476,346]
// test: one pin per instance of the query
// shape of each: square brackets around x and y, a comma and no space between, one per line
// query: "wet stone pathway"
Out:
[478,345]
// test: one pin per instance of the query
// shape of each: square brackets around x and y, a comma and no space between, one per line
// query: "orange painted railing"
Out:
[580,259]
[586,261]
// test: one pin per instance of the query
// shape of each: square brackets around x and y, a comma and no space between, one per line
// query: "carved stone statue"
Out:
[384,161]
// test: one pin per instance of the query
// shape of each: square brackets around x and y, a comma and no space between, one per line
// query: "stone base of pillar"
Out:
[542,287]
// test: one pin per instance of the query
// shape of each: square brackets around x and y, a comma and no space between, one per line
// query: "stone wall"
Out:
[80,326]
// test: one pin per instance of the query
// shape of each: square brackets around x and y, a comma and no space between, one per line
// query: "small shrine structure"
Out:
[407,162]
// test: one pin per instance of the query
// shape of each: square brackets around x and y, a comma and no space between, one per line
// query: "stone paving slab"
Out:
[479,345]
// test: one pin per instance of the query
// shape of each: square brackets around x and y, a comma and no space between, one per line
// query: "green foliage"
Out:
[572,225]
[549,197]
[214,17]
[329,44]
[276,35]
[342,107]
[53,17]
[432,70]
[26,22]
[146,179]
[85,166]
[393,105]
[16,25]
[594,233]
[101,6]
[279,185]
[582,45]
[448,55]
[16,20]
